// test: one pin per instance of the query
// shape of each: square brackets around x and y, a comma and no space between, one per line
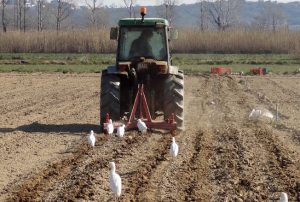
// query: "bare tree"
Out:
[24,15]
[3,16]
[41,4]
[130,6]
[20,9]
[15,15]
[167,10]
[46,15]
[203,14]
[94,7]
[224,13]
[63,11]
[271,17]
[19,14]
[170,9]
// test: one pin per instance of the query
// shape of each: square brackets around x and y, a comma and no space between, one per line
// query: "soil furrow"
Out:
[138,183]
[283,172]
[292,93]
[223,156]
[72,182]
[192,186]
[84,180]
[172,180]
[33,187]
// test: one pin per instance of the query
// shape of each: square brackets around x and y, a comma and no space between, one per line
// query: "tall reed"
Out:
[79,41]
[237,41]
[189,41]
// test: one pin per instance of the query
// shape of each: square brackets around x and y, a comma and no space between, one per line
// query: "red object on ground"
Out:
[144,114]
[257,71]
[220,70]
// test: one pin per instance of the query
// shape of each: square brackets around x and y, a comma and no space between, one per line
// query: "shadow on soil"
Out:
[54,128]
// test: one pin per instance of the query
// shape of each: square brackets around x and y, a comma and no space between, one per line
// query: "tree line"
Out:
[42,15]
[226,14]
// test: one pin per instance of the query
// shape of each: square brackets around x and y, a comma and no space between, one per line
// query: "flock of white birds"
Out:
[115,180]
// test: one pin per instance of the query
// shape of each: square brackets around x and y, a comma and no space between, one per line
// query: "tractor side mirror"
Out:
[114,33]
[173,34]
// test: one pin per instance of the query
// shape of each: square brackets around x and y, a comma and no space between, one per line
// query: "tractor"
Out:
[143,59]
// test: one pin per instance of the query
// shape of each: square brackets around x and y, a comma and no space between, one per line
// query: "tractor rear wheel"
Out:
[110,96]
[174,98]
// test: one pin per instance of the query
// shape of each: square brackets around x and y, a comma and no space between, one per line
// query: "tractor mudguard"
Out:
[173,70]
[112,69]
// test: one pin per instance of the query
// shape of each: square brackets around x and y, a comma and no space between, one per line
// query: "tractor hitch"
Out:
[141,106]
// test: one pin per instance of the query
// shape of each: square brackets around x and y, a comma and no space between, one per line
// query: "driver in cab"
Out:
[141,47]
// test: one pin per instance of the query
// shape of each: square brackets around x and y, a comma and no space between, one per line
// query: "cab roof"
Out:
[146,22]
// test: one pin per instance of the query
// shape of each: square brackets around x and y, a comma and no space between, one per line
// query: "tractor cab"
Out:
[143,42]
[147,42]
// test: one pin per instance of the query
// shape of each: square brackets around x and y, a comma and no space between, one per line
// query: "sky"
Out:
[120,3]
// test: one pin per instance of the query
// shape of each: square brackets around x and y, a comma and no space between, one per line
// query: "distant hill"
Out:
[187,14]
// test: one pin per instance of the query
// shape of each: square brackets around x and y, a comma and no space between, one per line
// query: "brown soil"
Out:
[223,156]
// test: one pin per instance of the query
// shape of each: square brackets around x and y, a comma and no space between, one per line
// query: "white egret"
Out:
[283,197]
[121,130]
[174,148]
[141,126]
[115,181]
[110,127]
[91,138]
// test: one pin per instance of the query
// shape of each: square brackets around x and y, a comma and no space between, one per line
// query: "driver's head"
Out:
[146,34]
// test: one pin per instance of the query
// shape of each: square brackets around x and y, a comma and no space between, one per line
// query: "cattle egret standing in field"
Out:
[91,138]
[174,148]
[283,197]
[121,130]
[141,126]
[110,127]
[115,181]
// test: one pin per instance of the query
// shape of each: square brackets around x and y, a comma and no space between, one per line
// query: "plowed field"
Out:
[223,156]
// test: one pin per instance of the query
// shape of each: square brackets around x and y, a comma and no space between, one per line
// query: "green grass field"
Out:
[190,63]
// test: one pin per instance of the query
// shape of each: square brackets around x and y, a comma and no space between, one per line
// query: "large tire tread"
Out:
[110,96]
[174,98]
